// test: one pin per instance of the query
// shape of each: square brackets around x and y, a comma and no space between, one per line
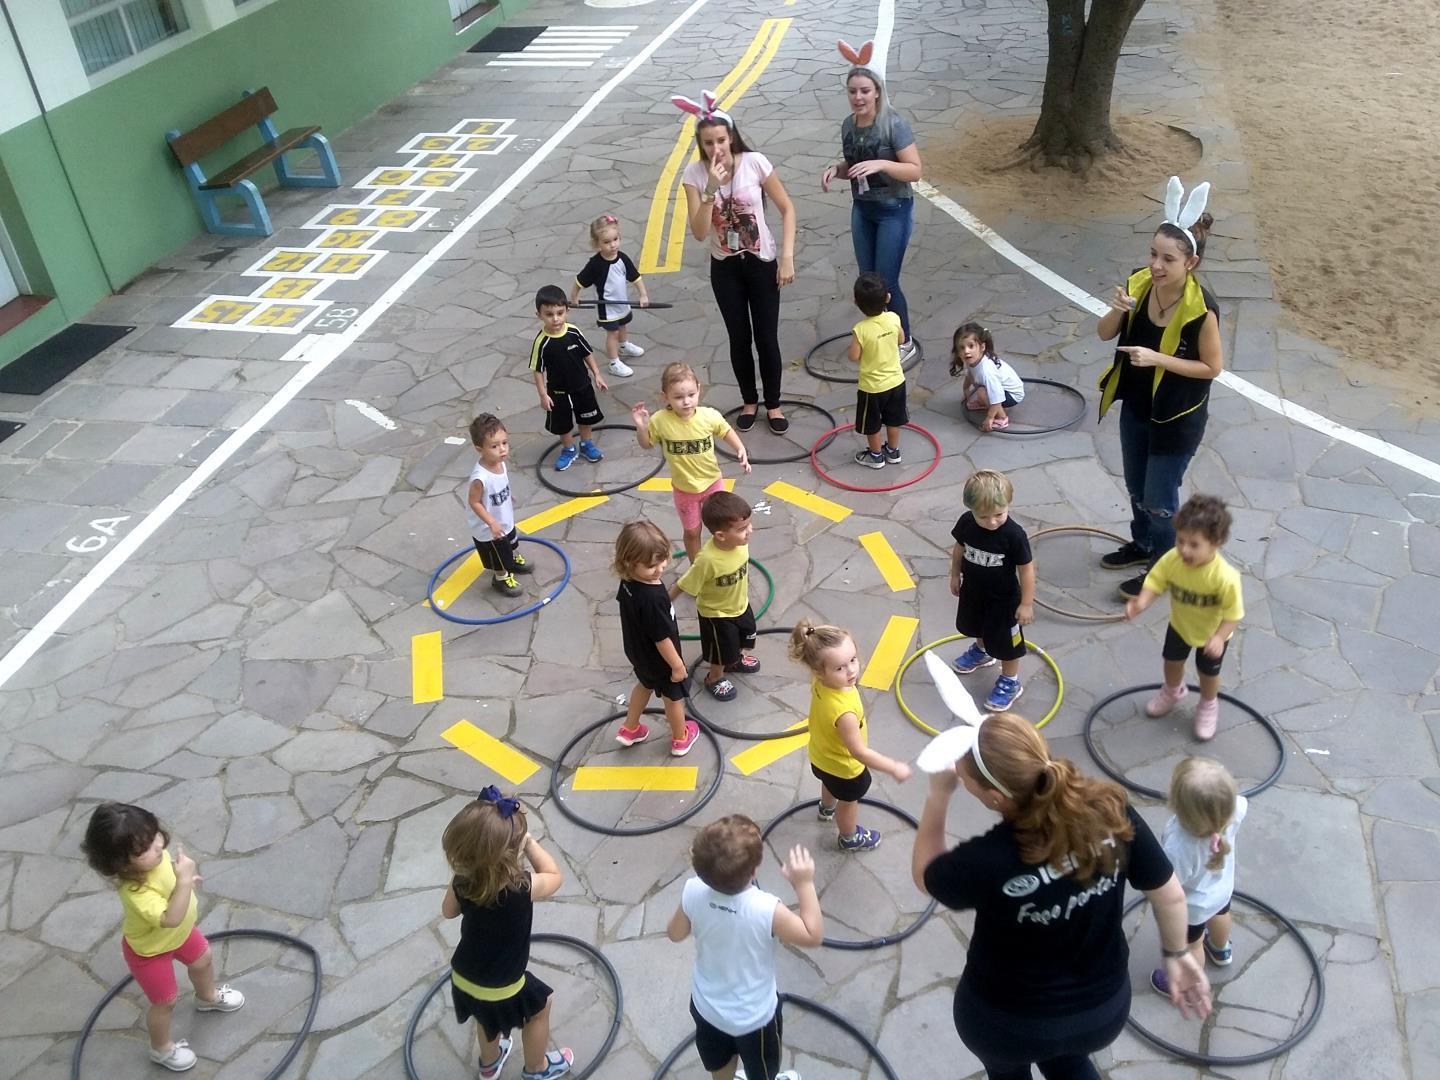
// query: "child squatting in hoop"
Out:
[991,385]
[609,272]
[492,508]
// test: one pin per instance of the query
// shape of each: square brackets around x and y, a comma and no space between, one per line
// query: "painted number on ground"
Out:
[105,529]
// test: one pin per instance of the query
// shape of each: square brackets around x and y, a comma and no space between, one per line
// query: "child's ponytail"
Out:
[1202,797]
[808,641]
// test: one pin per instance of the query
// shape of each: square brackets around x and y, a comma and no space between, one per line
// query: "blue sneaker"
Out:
[557,1063]
[567,457]
[492,1071]
[1004,695]
[972,659]
[1159,983]
[1218,957]
[863,840]
[590,450]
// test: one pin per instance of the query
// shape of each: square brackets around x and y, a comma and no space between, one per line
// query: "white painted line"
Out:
[371,413]
[318,352]
[541,63]
[594,27]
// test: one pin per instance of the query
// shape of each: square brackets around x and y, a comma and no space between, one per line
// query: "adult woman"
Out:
[1170,350]
[725,194]
[881,162]
[1047,978]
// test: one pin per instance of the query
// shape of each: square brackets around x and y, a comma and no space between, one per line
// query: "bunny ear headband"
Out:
[858,57]
[943,751]
[703,112]
[1183,217]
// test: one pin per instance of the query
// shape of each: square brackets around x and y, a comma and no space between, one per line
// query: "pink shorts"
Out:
[688,504]
[156,974]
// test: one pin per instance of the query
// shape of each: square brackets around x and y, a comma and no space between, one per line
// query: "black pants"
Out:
[747,288]
[1060,1046]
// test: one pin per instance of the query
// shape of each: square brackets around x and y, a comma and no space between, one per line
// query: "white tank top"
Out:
[734,982]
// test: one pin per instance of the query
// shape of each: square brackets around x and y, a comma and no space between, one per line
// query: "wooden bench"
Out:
[253,110]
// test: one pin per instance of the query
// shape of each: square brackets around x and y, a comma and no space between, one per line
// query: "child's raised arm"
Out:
[545,875]
[807,927]
[640,414]
[849,728]
[186,879]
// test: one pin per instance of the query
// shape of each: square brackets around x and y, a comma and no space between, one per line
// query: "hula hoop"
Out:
[1055,530]
[918,358]
[636,830]
[976,416]
[632,306]
[412,1073]
[1262,1055]
[769,597]
[735,733]
[815,462]
[923,726]
[1154,793]
[543,474]
[528,609]
[111,994]
[876,942]
[799,455]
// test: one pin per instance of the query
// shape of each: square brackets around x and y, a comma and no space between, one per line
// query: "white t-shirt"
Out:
[998,378]
[734,982]
[738,208]
[498,502]
[1206,890]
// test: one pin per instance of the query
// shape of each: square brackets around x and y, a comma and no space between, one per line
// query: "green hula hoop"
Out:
[769,596]
[923,726]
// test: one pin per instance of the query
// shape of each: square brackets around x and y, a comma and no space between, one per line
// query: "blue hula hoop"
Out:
[529,609]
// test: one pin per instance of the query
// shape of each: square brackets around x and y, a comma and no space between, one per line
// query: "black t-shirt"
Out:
[494,944]
[1177,394]
[990,558]
[561,359]
[647,617]
[1044,944]
[608,278]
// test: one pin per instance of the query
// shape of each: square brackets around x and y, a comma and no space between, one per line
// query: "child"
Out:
[491,506]
[564,370]
[494,897]
[718,580]
[839,756]
[991,386]
[736,924]
[993,574]
[875,344]
[652,640]
[126,844]
[610,271]
[1206,606]
[1206,812]
[686,432]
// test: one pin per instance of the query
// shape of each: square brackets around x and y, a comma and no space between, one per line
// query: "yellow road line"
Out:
[514,766]
[635,778]
[568,509]
[894,645]
[460,579]
[808,501]
[887,562]
[662,483]
[756,757]
[427,681]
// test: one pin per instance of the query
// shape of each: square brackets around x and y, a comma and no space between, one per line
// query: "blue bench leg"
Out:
[329,171]
[259,223]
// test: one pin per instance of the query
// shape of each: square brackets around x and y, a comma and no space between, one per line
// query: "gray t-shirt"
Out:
[881,140]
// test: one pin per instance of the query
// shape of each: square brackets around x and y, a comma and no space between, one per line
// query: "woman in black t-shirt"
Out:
[1047,980]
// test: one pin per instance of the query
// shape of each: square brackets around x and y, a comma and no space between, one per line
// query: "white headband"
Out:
[1183,218]
[951,745]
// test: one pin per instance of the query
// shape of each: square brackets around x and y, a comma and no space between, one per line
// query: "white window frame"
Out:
[143,56]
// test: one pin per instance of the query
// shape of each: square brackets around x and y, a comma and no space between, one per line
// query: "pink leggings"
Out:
[156,974]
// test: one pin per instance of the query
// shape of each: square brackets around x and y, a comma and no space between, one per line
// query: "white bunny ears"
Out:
[1183,217]
[708,110]
[857,57]
[943,751]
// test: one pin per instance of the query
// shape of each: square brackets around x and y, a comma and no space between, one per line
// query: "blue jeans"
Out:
[880,233]
[1153,483]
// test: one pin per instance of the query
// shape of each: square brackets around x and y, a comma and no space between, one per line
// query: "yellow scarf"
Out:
[1192,306]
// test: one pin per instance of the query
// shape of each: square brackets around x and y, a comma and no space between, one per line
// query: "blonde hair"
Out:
[675,372]
[483,849]
[808,642]
[640,544]
[987,491]
[1202,798]
[599,225]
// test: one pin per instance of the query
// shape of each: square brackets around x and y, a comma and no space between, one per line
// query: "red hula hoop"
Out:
[815,461]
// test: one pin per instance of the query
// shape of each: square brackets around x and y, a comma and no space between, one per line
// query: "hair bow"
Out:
[1183,217]
[952,744]
[1215,843]
[703,112]
[858,57]
[506,805]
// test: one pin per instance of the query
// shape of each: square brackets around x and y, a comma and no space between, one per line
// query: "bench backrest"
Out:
[221,128]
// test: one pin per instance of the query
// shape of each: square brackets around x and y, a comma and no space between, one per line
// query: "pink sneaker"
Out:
[1165,699]
[630,736]
[1207,719]
[681,747]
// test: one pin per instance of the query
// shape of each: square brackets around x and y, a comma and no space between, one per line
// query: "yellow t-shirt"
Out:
[879,337]
[1201,597]
[145,906]
[828,751]
[719,581]
[689,446]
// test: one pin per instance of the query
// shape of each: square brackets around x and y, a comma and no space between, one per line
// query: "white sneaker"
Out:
[620,368]
[788,1074]
[227,999]
[177,1059]
[629,348]
[907,351]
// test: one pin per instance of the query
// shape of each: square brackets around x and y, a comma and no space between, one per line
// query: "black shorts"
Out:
[1176,649]
[571,407]
[665,687]
[1195,933]
[992,623]
[499,555]
[615,324]
[722,639]
[885,409]
[846,789]
[759,1050]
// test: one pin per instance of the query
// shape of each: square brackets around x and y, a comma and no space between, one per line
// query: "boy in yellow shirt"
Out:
[880,401]
[719,581]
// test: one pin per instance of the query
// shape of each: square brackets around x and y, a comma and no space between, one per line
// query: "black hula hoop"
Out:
[1153,793]
[1089,530]
[557,939]
[735,733]
[805,1005]
[632,305]
[976,416]
[637,830]
[520,613]
[918,358]
[1263,1055]
[876,942]
[785,403]
[220,935]
[542,474]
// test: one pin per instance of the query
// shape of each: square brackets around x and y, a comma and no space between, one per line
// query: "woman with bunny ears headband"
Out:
[1169,351]
[881,162]
[725,193]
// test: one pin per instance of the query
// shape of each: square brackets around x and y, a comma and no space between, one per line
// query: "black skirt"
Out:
[497,1018]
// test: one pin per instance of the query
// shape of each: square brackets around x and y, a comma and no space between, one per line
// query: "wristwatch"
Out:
[707,196]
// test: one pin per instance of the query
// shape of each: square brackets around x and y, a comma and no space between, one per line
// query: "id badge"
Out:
[862,185]
[732,240]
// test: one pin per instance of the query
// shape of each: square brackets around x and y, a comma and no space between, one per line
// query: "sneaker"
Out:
[1207,719]
[863,840]
[630,736]
[507,586]
[590,451]
[825,813]
[177,1059]
[620,369]
[1165,699]
[1159,983]
[629,348]
[746,665]
[491,1071]
[722,690]
[1006,691]
[521,565]
[871,459]
[908,350]
[567,457]
[681,747]
[1128,554]
[972,659]
[557,1063]
[788,1074]
[1131,587]
[892,454]
[227,999]
[1218,957]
